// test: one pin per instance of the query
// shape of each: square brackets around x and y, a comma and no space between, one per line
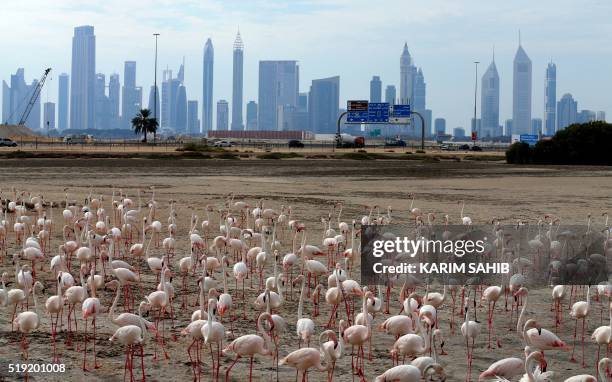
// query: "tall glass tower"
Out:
[207,85]
[550,100]
[237,84]
[83,78]
[521,93]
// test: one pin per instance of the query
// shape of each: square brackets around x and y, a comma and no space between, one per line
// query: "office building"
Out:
[521,93]
[489,101]
[15,99]
[49,115]
[131,96]
[222,115]
[508,131]
[193,122]
[536,126]
[278,86]
[207,85]
[237,84]
[251,115]
[550,100]
[83,78]
[567,111]
[63,100]
[407,73]
[114,98]
[390,94]
[375,89]
[102,106]
[459,132]
[439,126]
[323,105]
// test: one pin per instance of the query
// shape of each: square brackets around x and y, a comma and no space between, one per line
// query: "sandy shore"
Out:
[310,187]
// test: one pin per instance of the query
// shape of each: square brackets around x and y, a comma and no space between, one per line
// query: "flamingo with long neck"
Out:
[91,307]
[331,349]
[251,344]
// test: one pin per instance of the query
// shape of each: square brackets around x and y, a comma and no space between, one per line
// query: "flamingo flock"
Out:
[107,256]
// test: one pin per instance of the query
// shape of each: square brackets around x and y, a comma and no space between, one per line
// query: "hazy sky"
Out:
[355,39]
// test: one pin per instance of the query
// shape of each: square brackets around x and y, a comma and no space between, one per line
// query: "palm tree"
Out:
[142,123]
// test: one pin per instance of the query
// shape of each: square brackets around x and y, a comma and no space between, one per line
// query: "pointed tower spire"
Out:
[519,37]
[238,44]
[493,53]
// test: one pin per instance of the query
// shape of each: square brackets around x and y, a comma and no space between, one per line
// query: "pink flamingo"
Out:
[304,359]
[580,310]
[251,344]
[130,336]
[91,307]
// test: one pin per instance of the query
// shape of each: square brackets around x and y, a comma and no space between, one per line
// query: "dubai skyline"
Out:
[580,66]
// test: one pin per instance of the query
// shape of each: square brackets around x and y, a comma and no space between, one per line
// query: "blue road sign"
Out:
[357,117]
[357,112]
[378,112]
[400,114]
[530,139]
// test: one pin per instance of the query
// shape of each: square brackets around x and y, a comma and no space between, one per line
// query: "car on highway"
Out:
[6,142]
[294,143]
[476,148]
[464,147]
[395,143]
[223,144]
[447,148]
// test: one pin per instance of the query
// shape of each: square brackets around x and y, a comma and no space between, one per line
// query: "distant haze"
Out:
[354,39]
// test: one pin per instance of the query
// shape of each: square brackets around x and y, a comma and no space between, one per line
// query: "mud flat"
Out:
[490,190]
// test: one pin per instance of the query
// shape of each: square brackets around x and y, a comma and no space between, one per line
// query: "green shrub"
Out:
[579,144]
[278,155]
[226,155]
[200,148]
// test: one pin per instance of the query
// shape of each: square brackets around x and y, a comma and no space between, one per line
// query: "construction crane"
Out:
[35,94]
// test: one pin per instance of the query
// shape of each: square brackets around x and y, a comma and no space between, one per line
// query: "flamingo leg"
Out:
[227,372]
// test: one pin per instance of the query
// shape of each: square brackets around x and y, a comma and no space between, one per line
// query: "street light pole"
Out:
[155,89]
[475,96]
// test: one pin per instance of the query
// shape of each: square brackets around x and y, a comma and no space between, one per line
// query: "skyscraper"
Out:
[114,91]
[323,104]
[567,111]
[601,115]
[536,126]
[586,116]
[181,109]
[83,78]
[193,123]
[390,94]
[440,126]
[489,101]
[207,85]
[222,115]
[251,115]
[278,86]
[132,95]
[550,100]
[459,132]
[62,101]
[375,89]
[508,131]
[418,102]
[407,71]
[102,108]
[49,115]
[237,84]
[15,100]
[151,104]
[521,93]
